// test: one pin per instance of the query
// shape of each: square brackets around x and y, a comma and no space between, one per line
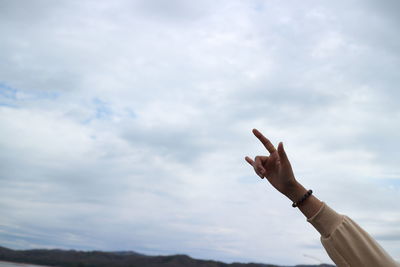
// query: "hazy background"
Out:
[124,124]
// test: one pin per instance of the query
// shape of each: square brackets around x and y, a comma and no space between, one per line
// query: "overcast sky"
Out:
[124,124]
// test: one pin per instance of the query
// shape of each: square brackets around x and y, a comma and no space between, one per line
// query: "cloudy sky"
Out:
[124,124]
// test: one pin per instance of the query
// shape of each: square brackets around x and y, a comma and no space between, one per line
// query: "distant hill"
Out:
[73,258]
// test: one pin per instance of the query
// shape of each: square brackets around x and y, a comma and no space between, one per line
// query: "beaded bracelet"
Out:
[306,195]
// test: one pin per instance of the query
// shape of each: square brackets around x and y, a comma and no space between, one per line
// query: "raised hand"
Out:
[275,167]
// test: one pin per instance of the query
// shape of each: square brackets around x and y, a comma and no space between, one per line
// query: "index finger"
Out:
[268,145]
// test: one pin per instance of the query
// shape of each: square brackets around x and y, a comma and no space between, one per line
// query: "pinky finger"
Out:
[249,160]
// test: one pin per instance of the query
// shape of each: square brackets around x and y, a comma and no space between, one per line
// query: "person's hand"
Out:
[275,167]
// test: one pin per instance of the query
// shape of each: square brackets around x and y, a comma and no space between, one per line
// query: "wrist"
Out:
[295,192]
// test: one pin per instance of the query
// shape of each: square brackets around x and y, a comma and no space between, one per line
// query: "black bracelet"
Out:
[306,195]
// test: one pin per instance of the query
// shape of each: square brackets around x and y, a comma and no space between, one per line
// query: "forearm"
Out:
[310,206]
[346,242]
[342,238]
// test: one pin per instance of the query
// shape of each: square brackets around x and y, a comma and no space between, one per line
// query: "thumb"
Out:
[282,154]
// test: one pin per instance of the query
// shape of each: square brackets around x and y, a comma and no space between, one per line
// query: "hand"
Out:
[275,167]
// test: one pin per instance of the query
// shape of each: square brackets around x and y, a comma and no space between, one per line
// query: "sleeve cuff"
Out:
[326,220]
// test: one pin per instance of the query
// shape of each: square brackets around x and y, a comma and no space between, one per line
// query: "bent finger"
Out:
[258,166]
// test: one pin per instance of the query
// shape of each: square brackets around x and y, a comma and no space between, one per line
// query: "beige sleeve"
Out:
[347,243]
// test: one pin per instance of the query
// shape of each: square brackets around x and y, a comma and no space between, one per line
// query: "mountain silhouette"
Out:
[73,258]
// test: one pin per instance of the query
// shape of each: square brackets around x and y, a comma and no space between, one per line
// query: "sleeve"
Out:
[346,243]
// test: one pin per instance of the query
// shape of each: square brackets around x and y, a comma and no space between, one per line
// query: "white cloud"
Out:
[133,119]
